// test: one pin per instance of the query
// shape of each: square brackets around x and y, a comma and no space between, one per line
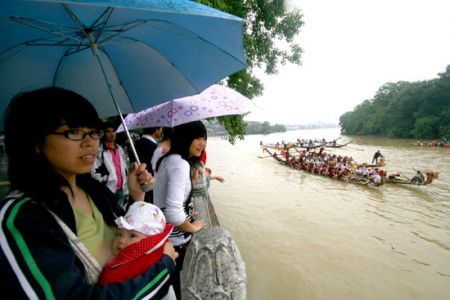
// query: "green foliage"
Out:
[269,31]
[404,109]
[235,126]
[264,128]
[426,127]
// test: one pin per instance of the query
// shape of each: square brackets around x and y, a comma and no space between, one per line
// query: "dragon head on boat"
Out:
[431,175]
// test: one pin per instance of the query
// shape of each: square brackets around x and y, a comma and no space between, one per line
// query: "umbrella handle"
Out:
[94,47]
[127,132]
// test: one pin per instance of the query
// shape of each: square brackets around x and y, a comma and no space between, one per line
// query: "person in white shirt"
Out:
[173,187]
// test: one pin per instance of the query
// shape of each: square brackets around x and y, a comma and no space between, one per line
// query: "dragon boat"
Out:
[341,174]
[328,144]
[284,158]
[300,145]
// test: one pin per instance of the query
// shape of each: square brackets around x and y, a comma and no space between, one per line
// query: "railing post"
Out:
[213,267]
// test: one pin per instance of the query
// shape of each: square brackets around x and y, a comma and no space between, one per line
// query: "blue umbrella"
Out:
[136,52]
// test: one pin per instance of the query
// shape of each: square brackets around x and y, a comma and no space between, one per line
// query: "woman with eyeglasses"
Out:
[57,224]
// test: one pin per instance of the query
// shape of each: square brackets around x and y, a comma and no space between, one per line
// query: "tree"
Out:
[404,109]
[269,31]
[426,127]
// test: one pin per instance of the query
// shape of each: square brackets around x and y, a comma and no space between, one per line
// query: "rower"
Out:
[376,156]
[419,178]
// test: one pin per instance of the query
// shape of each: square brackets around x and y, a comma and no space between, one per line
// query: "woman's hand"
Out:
[193,227]
[198,225]
[137,177]
[170,250]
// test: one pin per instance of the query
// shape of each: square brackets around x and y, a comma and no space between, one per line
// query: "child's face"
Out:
[125,237]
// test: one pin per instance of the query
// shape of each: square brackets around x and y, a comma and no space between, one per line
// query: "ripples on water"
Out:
[304,236]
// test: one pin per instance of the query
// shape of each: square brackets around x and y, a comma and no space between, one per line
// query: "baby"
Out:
[139,243]
[210,177]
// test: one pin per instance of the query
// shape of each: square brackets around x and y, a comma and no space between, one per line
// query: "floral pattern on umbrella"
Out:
[215,101]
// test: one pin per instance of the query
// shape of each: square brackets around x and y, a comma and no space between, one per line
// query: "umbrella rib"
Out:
[120,29]
[197,36]
[128,26]
[105,16]
[5,52]
[39,25]
[5,56]
[58,67]
[74,17]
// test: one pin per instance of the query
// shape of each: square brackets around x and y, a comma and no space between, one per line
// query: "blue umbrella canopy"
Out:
[138,52]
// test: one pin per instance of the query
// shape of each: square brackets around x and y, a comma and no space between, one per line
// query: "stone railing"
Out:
[213,267]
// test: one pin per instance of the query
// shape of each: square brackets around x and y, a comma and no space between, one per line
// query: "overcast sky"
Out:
[351,48]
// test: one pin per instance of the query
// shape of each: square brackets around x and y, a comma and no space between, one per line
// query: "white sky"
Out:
[351,48]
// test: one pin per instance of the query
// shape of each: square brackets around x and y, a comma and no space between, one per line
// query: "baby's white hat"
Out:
[143,217]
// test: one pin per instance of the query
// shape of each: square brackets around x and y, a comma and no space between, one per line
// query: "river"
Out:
[304,236]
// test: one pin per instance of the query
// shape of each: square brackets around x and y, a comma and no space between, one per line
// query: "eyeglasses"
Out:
[78,134]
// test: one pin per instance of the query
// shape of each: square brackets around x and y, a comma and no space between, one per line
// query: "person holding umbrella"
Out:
[173,188]
[57,226]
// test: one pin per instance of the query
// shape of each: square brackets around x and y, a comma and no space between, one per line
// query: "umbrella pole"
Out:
[95,51]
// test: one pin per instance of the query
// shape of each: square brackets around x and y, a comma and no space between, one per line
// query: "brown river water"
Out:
[304,236]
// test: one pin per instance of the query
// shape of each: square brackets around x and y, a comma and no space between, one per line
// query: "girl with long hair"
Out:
[173,187]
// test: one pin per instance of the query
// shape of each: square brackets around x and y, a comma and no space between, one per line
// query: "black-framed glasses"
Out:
[78,134]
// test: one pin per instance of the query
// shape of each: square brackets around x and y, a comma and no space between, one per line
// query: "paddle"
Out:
[359,149]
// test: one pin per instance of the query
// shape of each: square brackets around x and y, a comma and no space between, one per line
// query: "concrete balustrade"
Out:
[213,267]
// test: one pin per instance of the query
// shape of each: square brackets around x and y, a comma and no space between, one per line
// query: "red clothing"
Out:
[203,157]
[135,259]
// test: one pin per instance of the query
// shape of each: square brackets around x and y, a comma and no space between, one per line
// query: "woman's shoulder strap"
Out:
[158,163]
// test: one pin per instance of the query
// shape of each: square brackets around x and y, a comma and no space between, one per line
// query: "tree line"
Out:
[419,110]
[264,128]
[252,127]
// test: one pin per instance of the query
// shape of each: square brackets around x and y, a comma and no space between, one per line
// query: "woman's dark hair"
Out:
[167,133]
[29,118]
[182,138]
[183,135]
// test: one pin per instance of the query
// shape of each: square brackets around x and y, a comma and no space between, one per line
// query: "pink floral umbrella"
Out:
[215,101]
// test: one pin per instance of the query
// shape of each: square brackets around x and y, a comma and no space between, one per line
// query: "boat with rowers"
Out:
[346,169]
[302,144]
